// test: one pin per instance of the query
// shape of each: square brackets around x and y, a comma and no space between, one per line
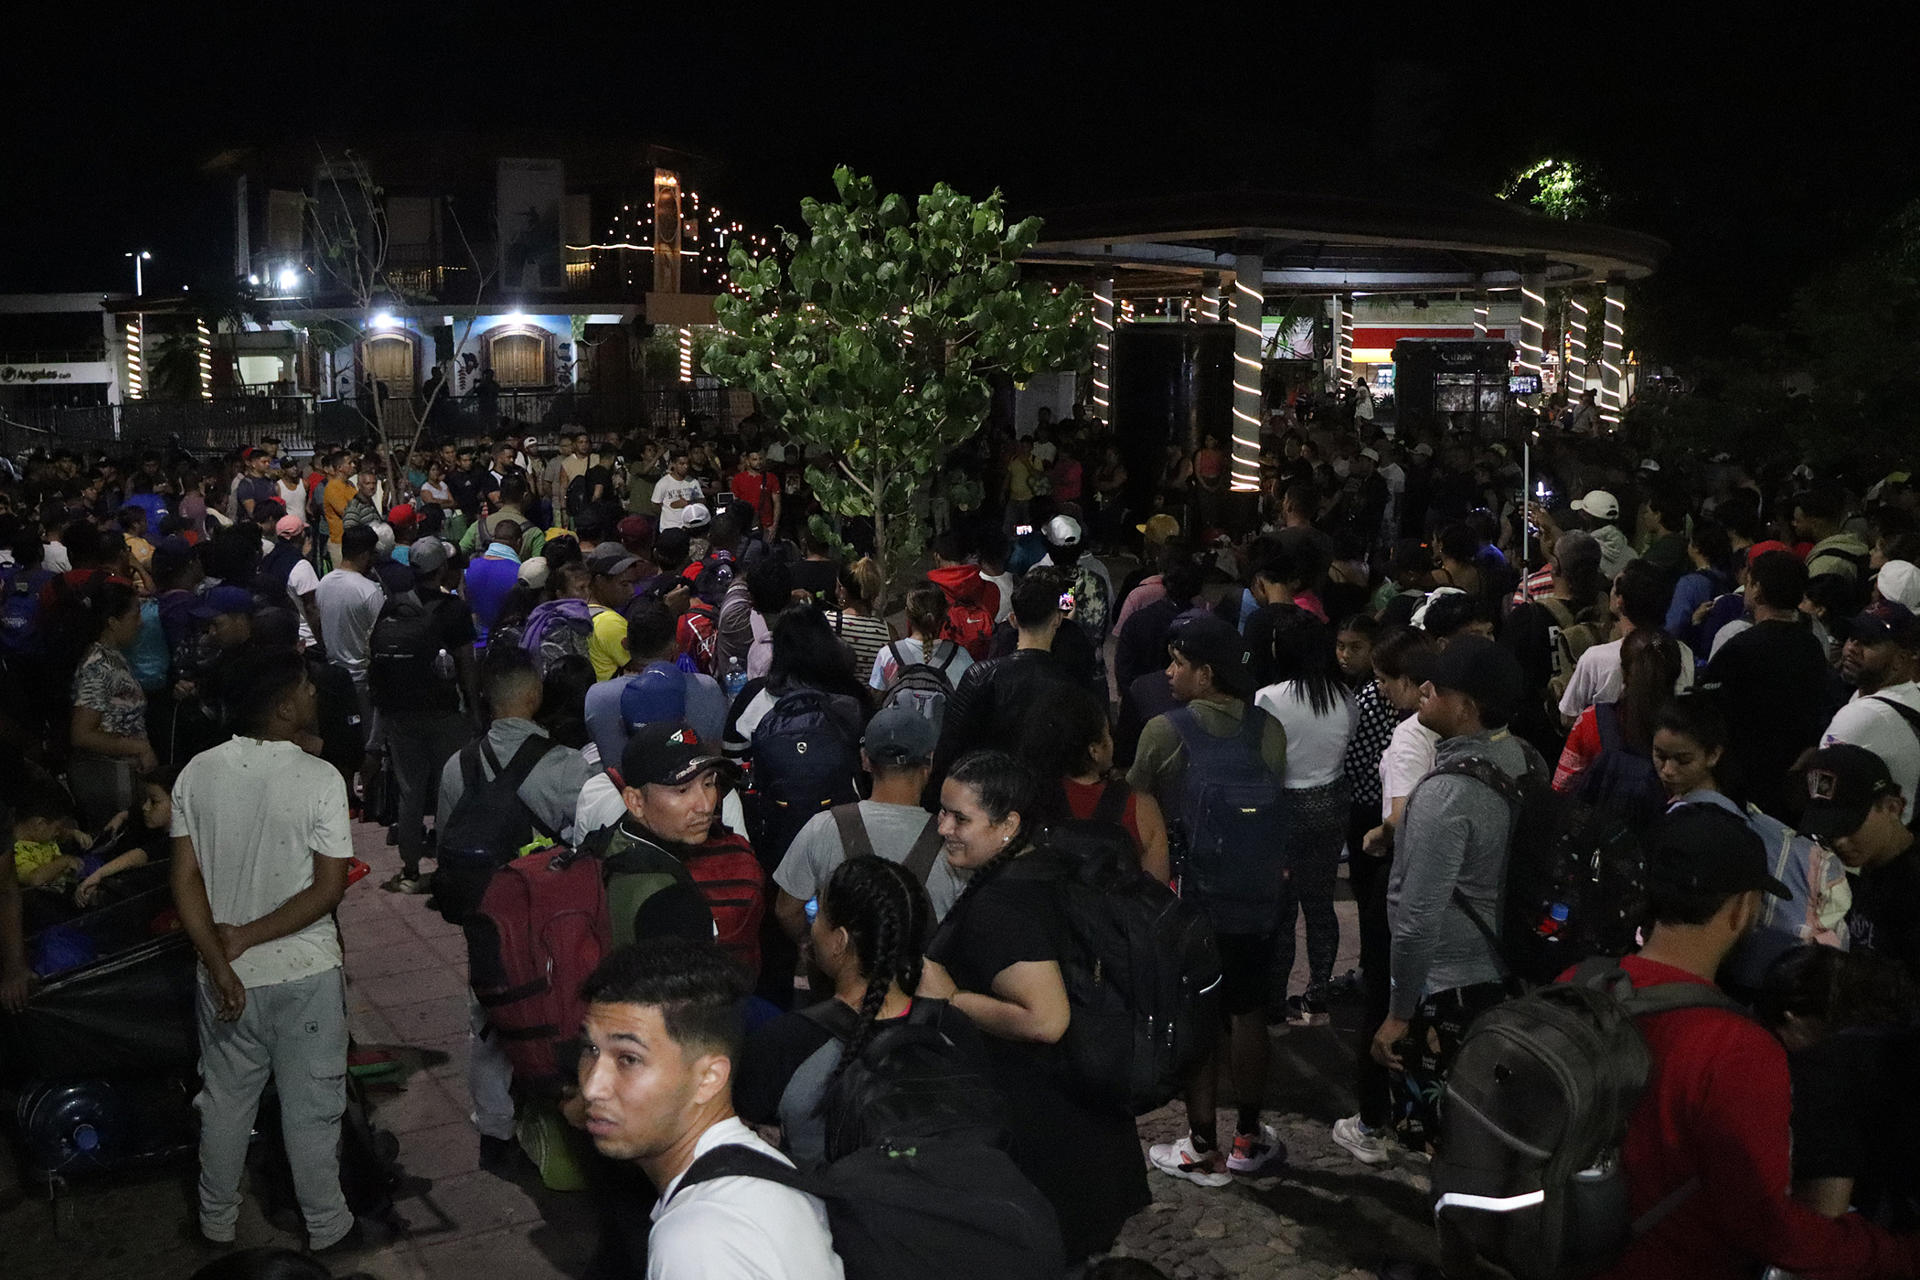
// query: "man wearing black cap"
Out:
[1450,871]
[1211,673]
[1854,807]
[671,781]
[1881,660]
[1716,1109]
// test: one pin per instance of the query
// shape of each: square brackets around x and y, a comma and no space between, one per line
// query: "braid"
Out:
[886,915]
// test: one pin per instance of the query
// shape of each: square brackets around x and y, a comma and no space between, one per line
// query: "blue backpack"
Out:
[1620,780]
[20,608]
[1230,810]
[805,761]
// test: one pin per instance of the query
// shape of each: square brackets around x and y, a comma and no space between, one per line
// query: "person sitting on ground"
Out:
[662,1037]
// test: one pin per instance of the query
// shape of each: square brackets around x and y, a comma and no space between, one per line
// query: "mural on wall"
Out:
[529,195]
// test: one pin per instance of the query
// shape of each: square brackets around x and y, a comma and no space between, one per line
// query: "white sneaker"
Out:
[1182,1161]
[1368,1146]
[1253,1154]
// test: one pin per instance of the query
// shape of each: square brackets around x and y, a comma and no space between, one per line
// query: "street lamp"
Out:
[139,256]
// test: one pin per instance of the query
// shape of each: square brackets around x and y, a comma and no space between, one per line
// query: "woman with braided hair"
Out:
[867,936]
[997,956]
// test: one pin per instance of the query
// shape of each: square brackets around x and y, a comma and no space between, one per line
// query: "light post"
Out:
[139,256]
[137,337]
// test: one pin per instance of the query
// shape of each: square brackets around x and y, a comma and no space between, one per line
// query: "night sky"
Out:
[1758,153]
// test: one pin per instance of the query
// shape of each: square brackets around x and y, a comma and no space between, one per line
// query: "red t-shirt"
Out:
[1084,797]
[1716,1108]
[757,491]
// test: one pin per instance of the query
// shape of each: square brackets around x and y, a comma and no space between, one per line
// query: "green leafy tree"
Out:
[1558,188]
[878,338]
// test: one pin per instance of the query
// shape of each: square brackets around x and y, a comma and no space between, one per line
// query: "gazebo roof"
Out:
[1429,241]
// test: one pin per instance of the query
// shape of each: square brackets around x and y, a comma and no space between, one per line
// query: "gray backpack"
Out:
[924,685]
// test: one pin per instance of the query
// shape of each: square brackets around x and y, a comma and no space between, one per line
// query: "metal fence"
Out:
[303,423]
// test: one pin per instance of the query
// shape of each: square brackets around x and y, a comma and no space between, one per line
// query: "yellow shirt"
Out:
[31,855]
[1020,480]
[607,650]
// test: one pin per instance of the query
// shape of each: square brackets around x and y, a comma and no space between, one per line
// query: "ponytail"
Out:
[888,918]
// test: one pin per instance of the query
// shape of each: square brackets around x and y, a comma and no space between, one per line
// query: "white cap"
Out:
[1063,531]
[534,572]
[695,516]
[1899,582]
[1648,464]
[1370,452]
[1424,449]
[1599,504]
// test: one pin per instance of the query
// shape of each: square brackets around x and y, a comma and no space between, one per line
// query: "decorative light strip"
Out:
[1102,353]
[1245,457]
[1343,347]
[1576,372]
[686,354]
[136,361]
[1480,313]
[1533,329]
[1613,342]
[204,341]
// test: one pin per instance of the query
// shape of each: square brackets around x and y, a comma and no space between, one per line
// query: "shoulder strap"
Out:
[853,830]
[1606,719]
[1112,805]
[919,863]
[835,1018]
[899,663]
[525,759]
[953,651]
[735,1160]
[1558,608]
[1905,712]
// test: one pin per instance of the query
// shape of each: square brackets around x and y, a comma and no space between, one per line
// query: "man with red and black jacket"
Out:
[1717,1103]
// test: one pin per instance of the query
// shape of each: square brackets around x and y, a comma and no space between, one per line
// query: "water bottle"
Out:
[736,678]
[443,665]
[1555,921]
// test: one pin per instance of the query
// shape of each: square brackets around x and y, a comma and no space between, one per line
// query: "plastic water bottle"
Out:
[1555,921]
[443,665]
[736,678]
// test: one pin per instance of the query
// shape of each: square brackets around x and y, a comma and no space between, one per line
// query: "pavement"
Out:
[1325,1216]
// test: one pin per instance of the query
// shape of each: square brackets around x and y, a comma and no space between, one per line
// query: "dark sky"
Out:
[1757,152]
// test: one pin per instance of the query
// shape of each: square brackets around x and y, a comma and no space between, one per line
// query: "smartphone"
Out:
[1022,530]
[1066,602]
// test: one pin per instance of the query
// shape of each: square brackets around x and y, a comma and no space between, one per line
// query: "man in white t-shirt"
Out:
[665,1020]
[1881,661]
[676,491]
[260,850]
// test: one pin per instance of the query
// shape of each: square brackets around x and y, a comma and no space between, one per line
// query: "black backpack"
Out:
[717,573]
[908,1086]
[1527,1171]
[488,827]
[805,760]
[1620,779]
[400,656]
[1141,967]
[935,1210]
[577,490]
[1576,883]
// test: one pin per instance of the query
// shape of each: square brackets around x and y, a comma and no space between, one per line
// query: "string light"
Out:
[1576,371]
[1480,312]
[1533,325]
[1102,348]
[686,354]
[204,341]
[1613,342]
[1247,305]
[136,361]
[1343,349]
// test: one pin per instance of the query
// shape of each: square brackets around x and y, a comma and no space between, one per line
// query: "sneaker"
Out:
[1368,1146]
[1256,1153]
[366,1233]
[401,882]
[1305,1012]
[1182,1161]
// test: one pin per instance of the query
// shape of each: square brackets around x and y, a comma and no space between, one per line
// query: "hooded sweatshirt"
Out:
[1454,835]
[962,584]
[1616,553]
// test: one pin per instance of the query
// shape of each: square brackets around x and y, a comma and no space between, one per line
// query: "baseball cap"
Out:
[1370,453]
[610,558]
[1899,581]
[1881,622]
[1484,671]
[899,736]
[1575,549]
[696,516]
[224,599]
[534,572]
[1210,641]
[668,753]
[658,695]
[1759,549]
[402,514]
[1843,783]
[1649,464]
[1599,504]
[428,555]
[1703,848]
[1063,531]
[1160,528]
[171,553]
[290,527]
[633,531]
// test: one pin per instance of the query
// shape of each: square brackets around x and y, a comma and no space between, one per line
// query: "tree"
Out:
[879,338]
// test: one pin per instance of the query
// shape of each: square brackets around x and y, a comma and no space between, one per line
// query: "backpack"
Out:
[734,887]
[856,843]
[934,1210]
[805,760]
[909,1084]
[20,608]
[577,490]
[540,930]
[1620,779]
[1576,881]
[1570,637]
[1141,966]
[970,626]
[556,629]
[1527,1170]
[922,685]
[1230,813]
[488,827]
[400,655]
[716,574]
[699,635]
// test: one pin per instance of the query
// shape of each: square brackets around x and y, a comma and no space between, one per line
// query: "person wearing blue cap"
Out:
[657,688]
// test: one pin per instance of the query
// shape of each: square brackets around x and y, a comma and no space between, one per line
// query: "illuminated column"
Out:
[1533,321]
[136,361]
[1103,349]
[1576,344]
[1249,296]
[1613,400]
[686,354]
[203,342]
[1480,310]
[1210,299]
[1342,308]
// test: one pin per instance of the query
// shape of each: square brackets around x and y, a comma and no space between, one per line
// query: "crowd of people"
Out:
[818,803]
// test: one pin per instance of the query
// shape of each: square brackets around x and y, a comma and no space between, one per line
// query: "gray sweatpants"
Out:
[297,1031]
